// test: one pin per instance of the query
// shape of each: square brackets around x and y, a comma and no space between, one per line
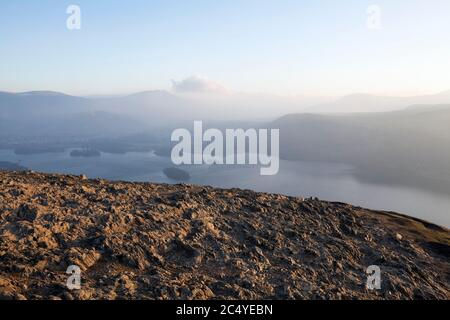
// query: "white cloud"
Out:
[197,84]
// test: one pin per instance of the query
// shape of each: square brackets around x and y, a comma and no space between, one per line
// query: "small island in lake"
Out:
[176,174]
[85,153]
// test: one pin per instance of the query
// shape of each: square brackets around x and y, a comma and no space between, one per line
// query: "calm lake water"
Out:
[327,181]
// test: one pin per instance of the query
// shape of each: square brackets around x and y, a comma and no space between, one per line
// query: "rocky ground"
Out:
[154,241]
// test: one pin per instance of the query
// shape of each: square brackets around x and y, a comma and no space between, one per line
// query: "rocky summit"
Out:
[158,241]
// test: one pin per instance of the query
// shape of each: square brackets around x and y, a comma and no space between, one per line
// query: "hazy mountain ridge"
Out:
[409,146]
[162,108]
[373,103]
[41,103]
[53,113]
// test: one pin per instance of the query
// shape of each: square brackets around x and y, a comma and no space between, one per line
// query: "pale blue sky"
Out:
[287,47]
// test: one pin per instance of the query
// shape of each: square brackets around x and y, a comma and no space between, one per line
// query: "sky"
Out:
[279,47]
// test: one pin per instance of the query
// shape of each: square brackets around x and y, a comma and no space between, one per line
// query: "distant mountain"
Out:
[372,103]
[408,147]
[54,113]
[154,107]
[43,93]
[41,103]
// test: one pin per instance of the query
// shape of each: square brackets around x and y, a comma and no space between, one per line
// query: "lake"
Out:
[327,181]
